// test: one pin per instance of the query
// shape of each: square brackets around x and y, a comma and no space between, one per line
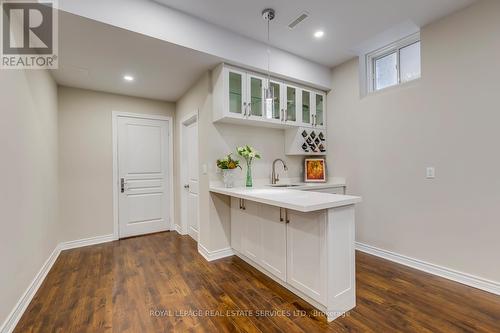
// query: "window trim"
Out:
[395,47]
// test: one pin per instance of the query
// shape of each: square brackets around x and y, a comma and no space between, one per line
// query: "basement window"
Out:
[394,64]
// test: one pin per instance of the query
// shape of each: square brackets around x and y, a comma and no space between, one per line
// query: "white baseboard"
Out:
[16,314]
[447,273]
[214,255]
[87,241]
[179,230]
[18,311]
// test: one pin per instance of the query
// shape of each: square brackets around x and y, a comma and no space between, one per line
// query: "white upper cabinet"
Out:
[277,113]
[291,104]
[319,112]
[238,97]
[236,93]
[255,96]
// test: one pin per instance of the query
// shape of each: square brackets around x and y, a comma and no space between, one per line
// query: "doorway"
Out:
[142,174]
[189,175]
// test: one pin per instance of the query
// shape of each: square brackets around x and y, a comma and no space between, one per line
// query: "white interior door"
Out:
[143,203]
[190,158]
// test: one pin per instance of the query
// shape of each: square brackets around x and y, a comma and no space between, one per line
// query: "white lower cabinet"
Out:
[273,241]
[306,253]
[293,251]
[258,233]
[236,224]
[311,254]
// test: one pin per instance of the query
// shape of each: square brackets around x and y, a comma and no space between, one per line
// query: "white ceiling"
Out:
[347,23]
[94,55]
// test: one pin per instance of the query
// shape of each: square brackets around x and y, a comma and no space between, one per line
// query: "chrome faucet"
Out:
[274,176]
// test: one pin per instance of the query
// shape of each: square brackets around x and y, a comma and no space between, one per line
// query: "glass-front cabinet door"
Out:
[256,96]
[319,112]
[291,104]
[305,107]
[277,112]
[236,91]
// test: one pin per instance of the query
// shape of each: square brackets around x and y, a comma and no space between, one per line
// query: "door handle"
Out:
[186,186]
[122,185]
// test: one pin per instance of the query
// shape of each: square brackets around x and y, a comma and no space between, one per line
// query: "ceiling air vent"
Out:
[298,20]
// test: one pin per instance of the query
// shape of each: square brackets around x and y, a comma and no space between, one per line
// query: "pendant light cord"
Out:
[268,54]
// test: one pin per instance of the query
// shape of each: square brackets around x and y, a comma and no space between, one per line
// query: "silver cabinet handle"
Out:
[122,185]
[287,219]
[281,214]
[242,204]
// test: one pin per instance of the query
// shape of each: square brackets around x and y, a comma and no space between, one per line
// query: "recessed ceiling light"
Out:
[128,78]
[319,34]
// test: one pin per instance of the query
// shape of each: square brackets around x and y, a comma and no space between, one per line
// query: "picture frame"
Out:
[315,170]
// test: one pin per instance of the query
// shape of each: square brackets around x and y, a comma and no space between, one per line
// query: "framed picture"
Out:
[314,170]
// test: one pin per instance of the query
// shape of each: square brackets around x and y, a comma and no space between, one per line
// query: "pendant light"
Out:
[268,15]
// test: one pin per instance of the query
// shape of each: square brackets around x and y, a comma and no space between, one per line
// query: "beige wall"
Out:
[28,199]
[448,119]
[86,163]
[215,141]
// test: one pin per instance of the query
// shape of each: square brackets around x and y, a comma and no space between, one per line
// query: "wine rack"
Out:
[305,141]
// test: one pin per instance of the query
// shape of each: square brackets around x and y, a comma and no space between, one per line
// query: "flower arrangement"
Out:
[228,163]
[249,154]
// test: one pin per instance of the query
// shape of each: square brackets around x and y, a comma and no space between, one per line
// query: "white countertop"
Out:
[295,199]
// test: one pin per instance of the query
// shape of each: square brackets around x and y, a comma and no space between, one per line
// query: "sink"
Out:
[283,185]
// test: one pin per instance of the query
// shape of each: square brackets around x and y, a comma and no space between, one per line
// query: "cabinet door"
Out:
[305,113]
[291,104]
[306,253]
[319,111]
[255,102]
[251,226]
[236,224]
[273,241]
[278,108]
[236,88]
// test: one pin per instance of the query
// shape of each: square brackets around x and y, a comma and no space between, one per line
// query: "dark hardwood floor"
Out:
[159,283]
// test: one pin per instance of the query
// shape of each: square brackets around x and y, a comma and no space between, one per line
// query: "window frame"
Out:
[376,55]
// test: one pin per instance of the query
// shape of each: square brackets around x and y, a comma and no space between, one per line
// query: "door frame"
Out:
[116,182]
[193,116]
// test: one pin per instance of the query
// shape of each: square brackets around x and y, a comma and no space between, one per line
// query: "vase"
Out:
[249,182]
[229,176]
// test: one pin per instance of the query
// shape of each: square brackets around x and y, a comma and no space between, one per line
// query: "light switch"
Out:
[204,169]
[430,173]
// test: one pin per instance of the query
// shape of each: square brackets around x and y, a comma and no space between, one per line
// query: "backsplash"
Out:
[269,142]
